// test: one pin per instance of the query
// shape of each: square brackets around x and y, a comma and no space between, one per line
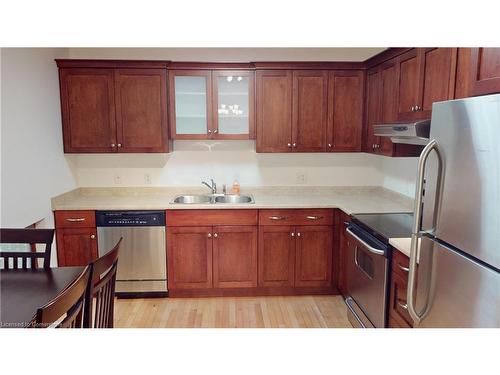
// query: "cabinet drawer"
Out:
[75,219]
[400,264]
[296,217]
[188,218]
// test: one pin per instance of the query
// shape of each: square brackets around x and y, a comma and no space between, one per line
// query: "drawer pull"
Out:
[314,217]
[277,217]
[405,269]
[404,306]
[75,219]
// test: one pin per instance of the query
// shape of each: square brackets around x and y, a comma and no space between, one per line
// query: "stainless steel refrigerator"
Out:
[454,278]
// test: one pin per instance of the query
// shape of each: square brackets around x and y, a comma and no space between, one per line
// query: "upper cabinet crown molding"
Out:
[196,65]
[304,65]
[112,64]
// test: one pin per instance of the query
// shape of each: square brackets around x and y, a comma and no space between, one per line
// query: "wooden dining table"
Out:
[22,292]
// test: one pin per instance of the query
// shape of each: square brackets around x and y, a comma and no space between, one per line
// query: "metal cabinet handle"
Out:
[329,145]
[294,144]
[92,236]
[405,269]
[209,131]
[216,131]
[119,145]
[413,108]
[209,235]
[368,247]
[403,305]
[277,217]
[289,144]
[75,219]
[298,234]
[215,235]
[292,234]
[314,217]
[113,145]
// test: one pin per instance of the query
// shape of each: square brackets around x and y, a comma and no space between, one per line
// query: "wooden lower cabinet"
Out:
[343,248]
[313,255]
[276,256]
[189,254]
[76,246]
[399,316]
[235,256]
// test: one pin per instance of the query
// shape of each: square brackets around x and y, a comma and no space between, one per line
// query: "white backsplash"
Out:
[225,161]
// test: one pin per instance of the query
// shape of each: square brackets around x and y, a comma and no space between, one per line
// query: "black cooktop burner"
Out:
[386,226]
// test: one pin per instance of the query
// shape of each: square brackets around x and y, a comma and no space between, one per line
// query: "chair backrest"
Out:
[102,290]
[25,260]
[67,309]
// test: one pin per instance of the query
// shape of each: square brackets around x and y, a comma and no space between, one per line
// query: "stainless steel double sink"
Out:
[213,199]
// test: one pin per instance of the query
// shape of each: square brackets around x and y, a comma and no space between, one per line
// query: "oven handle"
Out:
[371,249]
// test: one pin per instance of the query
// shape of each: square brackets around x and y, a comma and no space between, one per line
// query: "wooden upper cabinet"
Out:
[425,76]
[141,114]
[190,104]
[274,111]
[234,256]
[372,108]
[345,110]
[313,256]
[388,100]
[485,71]
[88,110]
[233,104]
[310,102]
[409,86]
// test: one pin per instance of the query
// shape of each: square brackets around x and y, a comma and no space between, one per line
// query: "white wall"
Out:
[227,54]
[193,161]
[33,166]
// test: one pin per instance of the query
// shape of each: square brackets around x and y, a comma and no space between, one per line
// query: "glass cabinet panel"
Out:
[233,104]
[191,104]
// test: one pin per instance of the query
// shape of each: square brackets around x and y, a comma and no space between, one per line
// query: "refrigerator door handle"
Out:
[417,230]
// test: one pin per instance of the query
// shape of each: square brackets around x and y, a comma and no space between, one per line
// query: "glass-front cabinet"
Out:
[211,104]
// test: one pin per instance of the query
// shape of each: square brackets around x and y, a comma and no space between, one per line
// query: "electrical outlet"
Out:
[301,177]
[118,179]
[147,179]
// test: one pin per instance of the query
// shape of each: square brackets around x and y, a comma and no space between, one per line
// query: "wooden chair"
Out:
[68,306]
[26,236]
[101,291]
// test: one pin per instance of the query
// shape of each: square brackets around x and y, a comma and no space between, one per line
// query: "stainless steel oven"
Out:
[367,278]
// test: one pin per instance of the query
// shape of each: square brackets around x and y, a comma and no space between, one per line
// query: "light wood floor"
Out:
[232,312]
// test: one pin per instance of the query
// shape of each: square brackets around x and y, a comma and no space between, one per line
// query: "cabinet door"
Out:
[485,72]
[439,77]
[409,84]
[345,110]
[274,111]
[88,110]
[235,256]
[314,256]
[76,246]
[190,103]
[398,309]
[388,111]
[233,105]
[189,257]
[141,110]
[310,102]
[372,108]
[276,260]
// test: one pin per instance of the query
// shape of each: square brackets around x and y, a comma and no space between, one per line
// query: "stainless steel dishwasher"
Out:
[142,264]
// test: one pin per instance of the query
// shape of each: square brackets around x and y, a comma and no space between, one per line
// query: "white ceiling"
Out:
[227,54]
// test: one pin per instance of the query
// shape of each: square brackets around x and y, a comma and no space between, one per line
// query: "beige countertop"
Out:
[349,199]
[402,244]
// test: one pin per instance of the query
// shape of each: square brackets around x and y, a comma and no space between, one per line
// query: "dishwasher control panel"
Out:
[130,218]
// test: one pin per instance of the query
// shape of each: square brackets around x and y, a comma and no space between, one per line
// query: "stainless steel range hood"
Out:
[413,133]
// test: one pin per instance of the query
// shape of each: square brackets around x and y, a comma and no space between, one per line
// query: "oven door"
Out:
[366,279]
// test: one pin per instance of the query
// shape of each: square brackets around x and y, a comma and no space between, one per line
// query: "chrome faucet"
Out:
[212,186]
